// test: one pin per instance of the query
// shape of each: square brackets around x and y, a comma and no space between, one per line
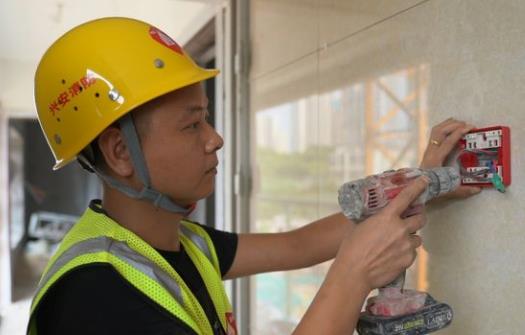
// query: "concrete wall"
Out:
[327,81]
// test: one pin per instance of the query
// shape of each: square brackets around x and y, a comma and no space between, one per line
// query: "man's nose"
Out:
[214,142]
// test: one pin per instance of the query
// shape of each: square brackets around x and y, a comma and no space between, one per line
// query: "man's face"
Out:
[180,146]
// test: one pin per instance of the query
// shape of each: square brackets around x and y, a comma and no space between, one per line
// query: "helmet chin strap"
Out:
[131,138]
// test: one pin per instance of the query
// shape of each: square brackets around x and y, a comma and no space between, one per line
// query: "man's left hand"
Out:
[444,138]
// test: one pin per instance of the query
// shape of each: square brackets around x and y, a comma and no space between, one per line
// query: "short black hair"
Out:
[94,157]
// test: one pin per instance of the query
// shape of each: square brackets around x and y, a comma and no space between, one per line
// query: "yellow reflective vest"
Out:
[96,238]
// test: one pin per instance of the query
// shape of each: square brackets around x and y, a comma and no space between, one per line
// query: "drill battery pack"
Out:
[431,317]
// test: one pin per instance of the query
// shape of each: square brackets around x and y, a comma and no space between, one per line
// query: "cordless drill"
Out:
[396,311]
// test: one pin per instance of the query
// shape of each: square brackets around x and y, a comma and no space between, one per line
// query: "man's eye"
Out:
[193,125]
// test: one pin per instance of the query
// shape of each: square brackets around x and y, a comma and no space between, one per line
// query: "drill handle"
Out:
[399,282]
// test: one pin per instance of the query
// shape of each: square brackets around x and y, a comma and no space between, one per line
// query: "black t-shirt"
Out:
[96,299]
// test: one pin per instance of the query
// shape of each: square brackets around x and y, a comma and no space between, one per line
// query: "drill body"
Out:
[362,198]
[396,310]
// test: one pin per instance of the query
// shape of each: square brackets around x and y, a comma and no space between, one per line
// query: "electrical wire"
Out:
[482,155]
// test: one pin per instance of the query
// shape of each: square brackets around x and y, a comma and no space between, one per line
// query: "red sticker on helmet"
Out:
[164,39]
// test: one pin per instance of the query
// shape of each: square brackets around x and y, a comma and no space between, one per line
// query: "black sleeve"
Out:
[95,299]
[225,245]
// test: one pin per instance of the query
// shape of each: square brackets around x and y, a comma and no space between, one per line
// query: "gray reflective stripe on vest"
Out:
[199,241]
[124,253]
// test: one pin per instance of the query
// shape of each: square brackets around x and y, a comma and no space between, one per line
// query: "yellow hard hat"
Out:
[98,72]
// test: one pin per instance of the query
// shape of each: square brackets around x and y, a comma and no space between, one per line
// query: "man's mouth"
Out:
[212,170]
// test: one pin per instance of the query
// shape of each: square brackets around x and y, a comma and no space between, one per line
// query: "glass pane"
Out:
[287,197]
[305,149]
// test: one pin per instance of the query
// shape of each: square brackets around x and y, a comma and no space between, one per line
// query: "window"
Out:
[305,149]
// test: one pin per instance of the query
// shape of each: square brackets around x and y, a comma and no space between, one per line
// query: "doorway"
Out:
[43,204]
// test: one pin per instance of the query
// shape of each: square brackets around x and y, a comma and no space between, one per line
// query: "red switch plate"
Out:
[485,151]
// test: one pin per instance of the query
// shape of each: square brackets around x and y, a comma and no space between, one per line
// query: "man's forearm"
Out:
[336,307]
[319,241]
[312,244]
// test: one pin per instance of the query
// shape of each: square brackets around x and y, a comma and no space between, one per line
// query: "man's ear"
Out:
[116,154]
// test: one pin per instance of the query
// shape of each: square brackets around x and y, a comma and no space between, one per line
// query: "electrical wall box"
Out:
[484,152]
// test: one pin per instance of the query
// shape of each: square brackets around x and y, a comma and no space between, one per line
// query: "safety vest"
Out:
[96,238]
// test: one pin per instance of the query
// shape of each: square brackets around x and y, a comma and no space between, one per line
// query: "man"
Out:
[126,101]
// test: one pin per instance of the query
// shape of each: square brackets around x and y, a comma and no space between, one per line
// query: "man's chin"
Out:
[189,202]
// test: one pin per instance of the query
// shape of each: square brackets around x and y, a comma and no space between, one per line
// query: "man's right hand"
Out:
[384,245]
[371,255]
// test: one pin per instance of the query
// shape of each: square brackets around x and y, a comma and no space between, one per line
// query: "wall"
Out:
[345,88]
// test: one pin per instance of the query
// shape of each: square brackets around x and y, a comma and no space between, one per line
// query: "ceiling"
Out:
[28,27]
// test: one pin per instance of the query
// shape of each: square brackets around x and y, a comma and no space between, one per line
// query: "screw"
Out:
[159,63]
[114,94]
